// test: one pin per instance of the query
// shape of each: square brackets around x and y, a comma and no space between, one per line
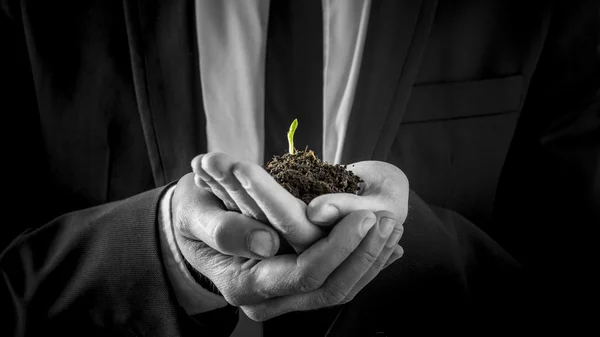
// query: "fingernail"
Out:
[215,173]
[202,174]
[199,181]
[326,214]
[393,240]
[242,179]
[196,162]
[392,259]
[261,243]
[386,225]
[367,224]
[398,252]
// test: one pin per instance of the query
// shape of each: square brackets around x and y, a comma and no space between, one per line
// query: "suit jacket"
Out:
[489,107]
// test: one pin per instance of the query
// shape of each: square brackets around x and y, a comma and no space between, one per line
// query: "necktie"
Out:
[294,76]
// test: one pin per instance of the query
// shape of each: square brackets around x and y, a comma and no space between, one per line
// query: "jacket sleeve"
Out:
[191,295]
[95,270]
[99,267]
[100,270]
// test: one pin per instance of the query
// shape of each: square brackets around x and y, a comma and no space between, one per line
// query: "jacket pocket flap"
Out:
[440,101]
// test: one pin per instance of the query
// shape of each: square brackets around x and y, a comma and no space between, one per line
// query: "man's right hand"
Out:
[219,244]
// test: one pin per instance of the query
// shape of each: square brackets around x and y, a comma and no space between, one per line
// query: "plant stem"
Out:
[290,136]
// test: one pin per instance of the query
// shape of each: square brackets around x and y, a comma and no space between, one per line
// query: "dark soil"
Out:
[306,177]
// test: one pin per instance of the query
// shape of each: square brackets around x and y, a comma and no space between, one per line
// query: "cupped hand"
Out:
[248,188]
[329,272]
[385,187]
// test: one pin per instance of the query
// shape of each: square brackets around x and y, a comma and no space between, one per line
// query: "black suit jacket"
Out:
[489,107]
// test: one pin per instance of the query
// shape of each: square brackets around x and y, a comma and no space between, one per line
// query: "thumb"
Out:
[327,209]
[238,235]
[198,215]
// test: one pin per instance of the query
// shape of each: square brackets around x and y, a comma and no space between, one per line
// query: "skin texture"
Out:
[330,272]
[341,241]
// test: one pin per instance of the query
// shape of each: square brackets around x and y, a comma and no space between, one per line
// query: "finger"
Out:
[398,253]
[326,209]
[392,245]
[381,262]
[283,211]
[384,187]
[201,217]
[311,268]
[338,286]
[392,250]
[220,167]
[238,235]
[201,183]
[215,187]
[339,283]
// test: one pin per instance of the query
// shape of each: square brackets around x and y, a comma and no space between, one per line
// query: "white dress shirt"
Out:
[232,38]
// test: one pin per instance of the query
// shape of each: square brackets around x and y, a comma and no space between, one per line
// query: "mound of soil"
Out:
[306,177]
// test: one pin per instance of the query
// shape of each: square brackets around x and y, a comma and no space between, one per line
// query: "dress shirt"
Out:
[232,47]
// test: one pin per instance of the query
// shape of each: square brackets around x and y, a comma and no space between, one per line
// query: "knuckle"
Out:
[345,251]
[307,283]
[286,225]
[333,294]
[219,231]
[287,228]
[232,299]
[369,256]
[256,314]
[378,264]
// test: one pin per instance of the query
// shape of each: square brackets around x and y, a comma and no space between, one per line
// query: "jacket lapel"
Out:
[166,80]
[396,38]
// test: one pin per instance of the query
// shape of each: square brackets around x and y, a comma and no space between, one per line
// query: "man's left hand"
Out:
[385,188]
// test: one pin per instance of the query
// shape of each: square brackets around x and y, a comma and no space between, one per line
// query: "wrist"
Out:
[190,295]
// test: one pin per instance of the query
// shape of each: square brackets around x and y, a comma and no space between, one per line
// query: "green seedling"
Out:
[290,136]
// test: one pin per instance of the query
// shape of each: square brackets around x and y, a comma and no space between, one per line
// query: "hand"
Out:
[266,200]
[385,187]
[327,273]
